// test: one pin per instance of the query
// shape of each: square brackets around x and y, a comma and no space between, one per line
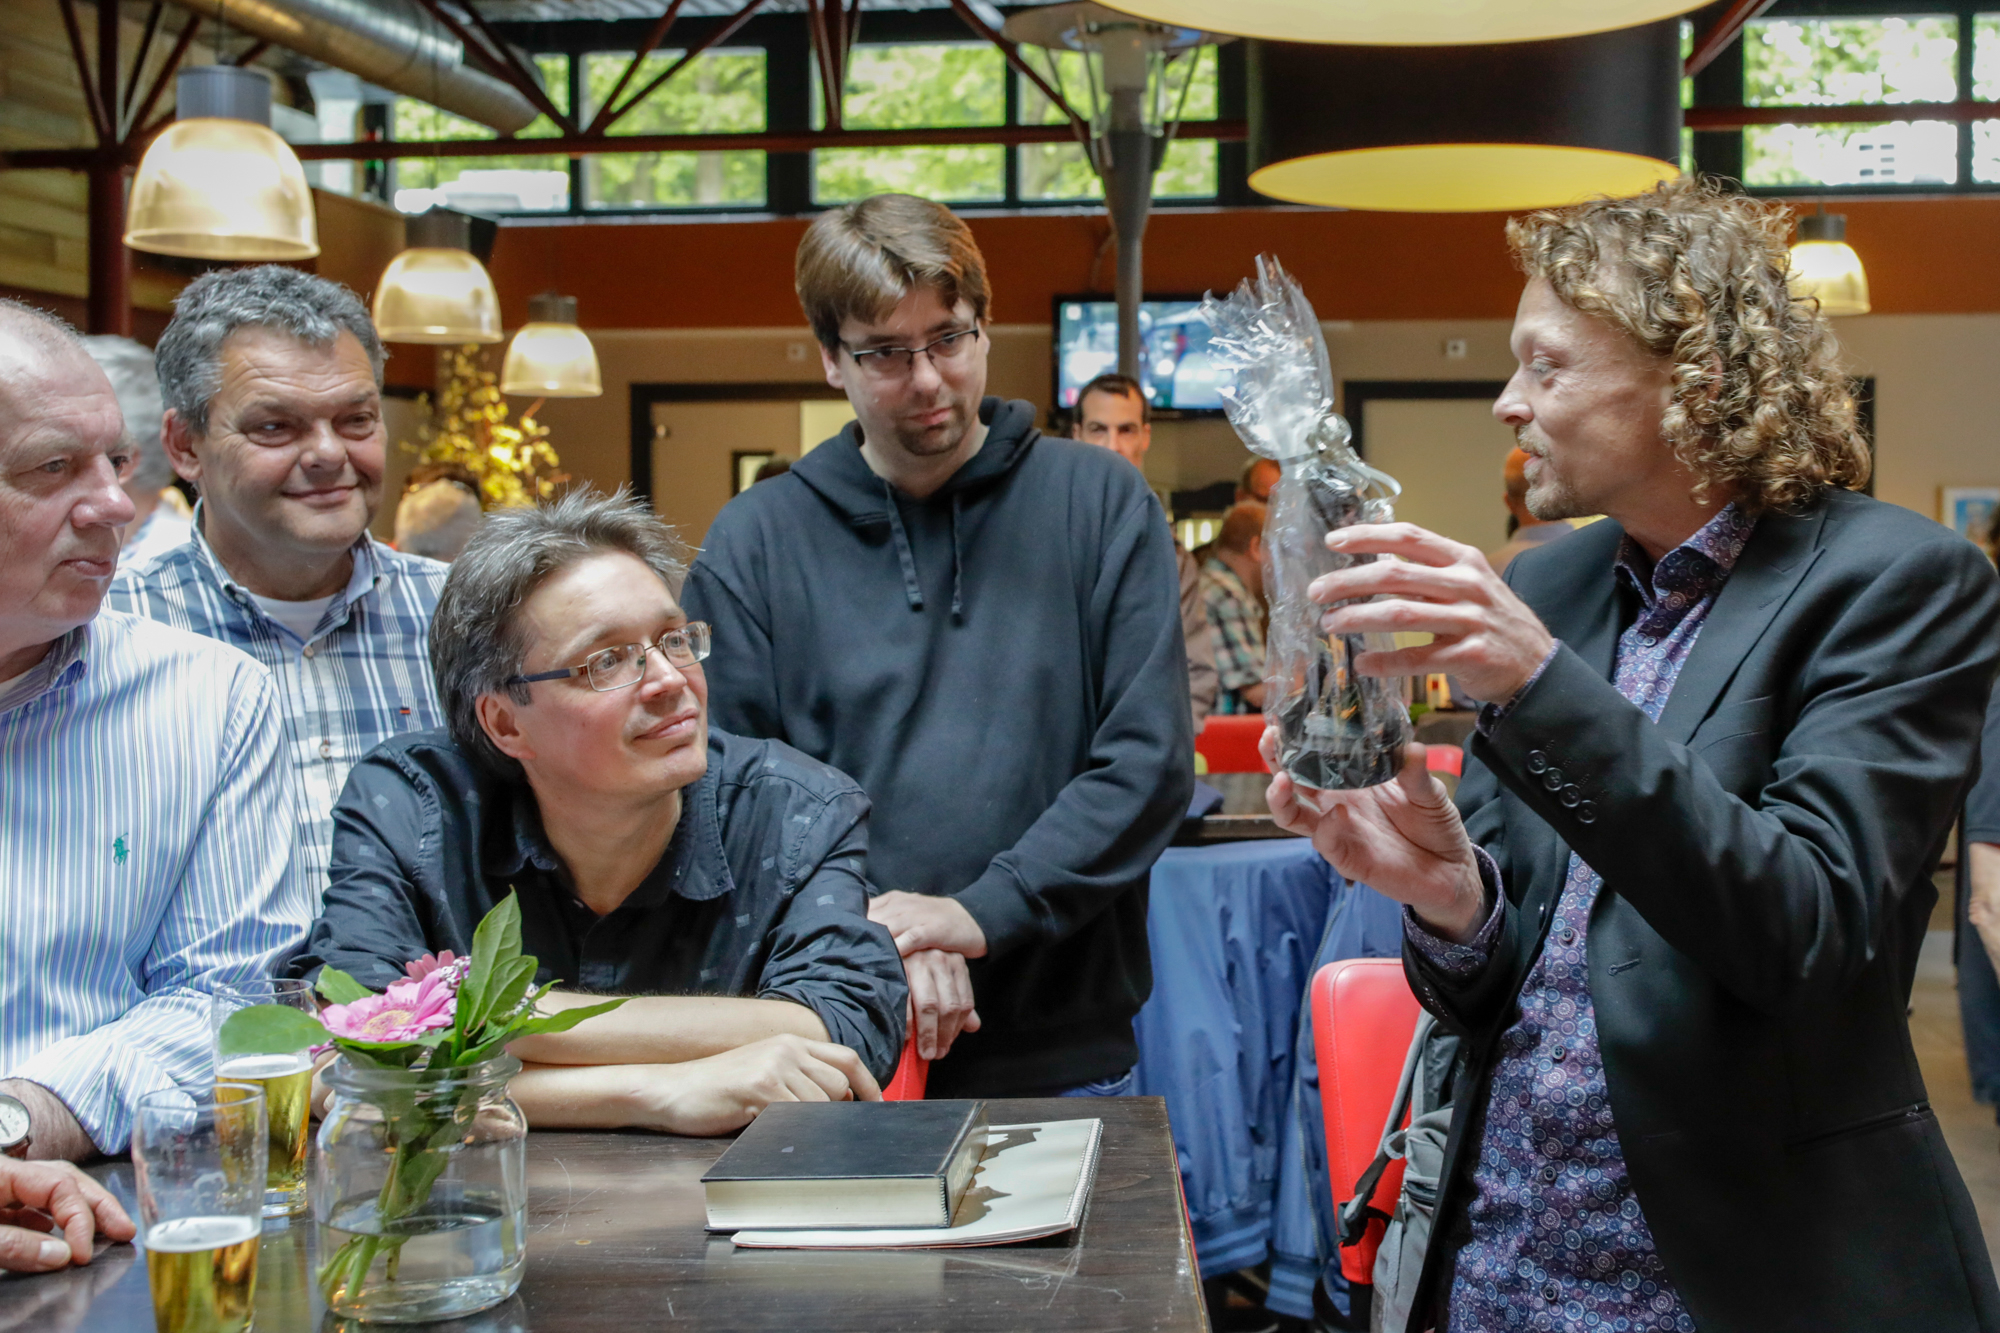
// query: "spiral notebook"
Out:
[1033,1181]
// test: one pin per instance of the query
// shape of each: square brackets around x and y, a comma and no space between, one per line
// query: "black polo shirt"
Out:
[762,890]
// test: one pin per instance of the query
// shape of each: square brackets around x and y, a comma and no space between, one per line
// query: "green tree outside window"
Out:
[511,183]
[1061,170]
[1986,88]
[720,92]
[1833,62]
[917,85]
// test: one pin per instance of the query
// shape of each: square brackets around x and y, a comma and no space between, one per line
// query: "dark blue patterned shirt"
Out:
[1558,1238]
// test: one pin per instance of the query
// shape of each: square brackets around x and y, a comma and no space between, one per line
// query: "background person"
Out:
[145,802]
[160,519]
[978,623]
[1112,412]
[273,384]
[1524,531]
[1726,732]
[721,880]
[1232,591]
[437,519]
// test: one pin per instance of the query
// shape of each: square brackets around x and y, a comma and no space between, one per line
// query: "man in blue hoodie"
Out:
[979,624]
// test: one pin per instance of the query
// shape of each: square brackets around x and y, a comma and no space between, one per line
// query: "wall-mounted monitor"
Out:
[1174,365]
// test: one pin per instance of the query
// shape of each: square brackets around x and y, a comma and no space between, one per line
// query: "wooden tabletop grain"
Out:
[616,1243]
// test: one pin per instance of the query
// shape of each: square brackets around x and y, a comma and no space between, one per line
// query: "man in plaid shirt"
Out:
[1232,590]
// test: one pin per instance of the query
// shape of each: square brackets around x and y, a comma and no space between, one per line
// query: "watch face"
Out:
[13,1121]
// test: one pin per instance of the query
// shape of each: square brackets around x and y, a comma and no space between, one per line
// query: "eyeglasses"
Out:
[623,667]
[896,362]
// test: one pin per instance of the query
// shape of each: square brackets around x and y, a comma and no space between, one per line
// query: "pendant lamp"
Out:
[1462,129]
[551,357]
[437,291]
[218,183]
[1407,22]
[1824,266]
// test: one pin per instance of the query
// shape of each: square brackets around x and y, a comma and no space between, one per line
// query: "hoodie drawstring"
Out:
[911,589]
[957,566]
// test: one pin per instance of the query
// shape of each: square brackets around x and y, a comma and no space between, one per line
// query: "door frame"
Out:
[761,391]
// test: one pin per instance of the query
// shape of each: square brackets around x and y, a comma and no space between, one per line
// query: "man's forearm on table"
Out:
[57,1135]
[664,1029]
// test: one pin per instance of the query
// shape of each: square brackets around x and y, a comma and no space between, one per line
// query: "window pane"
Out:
[960,173]
[719,92]
[1831,62]
[914,85]
[1986,88]
[522,183]
[1061,171]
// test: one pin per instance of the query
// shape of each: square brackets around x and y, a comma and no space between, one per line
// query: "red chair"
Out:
[1445,759]
[1229,742]
[1363,1017]
[912,1072]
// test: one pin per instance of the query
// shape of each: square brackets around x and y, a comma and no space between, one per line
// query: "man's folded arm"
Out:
[238,908]
[1111,822]
[1786,897]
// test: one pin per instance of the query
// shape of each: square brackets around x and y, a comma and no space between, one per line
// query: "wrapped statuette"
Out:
[1336,729]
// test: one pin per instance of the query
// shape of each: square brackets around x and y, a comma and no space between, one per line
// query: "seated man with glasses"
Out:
[721,879]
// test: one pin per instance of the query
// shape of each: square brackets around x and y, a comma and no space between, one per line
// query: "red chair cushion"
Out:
[1229,742]
[1363,1017]
[912,1072]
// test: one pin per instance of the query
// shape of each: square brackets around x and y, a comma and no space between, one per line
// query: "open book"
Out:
[1033,1181]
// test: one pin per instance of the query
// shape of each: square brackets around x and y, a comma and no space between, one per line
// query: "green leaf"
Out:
[535,1026]
[497,940]
[336,987]
[267,1029]
[510,987]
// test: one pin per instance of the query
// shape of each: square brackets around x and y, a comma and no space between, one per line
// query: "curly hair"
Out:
[1761,409]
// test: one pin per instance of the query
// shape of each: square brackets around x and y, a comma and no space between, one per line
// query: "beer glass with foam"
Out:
[200,1159]
[287,1084]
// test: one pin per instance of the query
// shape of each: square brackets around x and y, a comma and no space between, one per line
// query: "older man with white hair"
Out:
[144,796]
[272,380]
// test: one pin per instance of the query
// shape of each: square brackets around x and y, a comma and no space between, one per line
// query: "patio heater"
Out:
[1130,67]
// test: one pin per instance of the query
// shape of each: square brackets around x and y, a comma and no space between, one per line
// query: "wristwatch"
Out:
[15,1127]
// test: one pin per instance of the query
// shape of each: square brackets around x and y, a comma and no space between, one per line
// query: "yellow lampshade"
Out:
[212,188]
[1405,22]
[437,295]
[1824,266]
[1460,177]
[551,361]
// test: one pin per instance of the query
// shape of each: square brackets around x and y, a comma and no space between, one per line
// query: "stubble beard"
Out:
[939,440]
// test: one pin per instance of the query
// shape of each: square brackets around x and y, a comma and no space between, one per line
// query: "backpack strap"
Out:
[1354,1213]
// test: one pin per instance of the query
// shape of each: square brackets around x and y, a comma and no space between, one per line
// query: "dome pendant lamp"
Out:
[219,183]
[1406,22]
[1466,129]
[551,357]
[1825,267]
[437,291]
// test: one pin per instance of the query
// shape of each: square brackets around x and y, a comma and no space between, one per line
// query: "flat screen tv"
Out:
[1174,365]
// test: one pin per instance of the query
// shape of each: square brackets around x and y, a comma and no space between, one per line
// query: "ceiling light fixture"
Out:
[551,357]
[1825,267]
[1407,22]
[219,183]
[437,291]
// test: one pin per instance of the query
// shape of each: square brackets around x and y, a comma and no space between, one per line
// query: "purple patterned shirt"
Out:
[1558,1238]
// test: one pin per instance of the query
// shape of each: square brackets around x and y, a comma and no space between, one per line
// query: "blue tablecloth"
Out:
[1237,931]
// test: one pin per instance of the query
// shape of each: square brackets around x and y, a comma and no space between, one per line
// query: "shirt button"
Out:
[1558,1054]
[307,651]
[1569,937]
[1537,761]
[1551,1292]
[326,749]
[1553,779]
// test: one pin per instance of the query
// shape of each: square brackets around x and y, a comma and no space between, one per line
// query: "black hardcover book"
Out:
[828,1165]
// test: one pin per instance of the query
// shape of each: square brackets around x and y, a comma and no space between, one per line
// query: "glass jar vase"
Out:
[420,1193]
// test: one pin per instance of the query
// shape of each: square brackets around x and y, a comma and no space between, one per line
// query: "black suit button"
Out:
[1553,779]
[1570,796]
[1537,761]
[1586,813]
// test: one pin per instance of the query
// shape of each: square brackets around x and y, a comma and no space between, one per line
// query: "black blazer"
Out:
[1767,851]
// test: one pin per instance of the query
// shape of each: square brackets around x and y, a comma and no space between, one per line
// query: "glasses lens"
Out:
[616,668]
[953,346]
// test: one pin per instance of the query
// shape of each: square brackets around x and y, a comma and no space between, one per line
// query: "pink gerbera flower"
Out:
[406,1011]
[433,962]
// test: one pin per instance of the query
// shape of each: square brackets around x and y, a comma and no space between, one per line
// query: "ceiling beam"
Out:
[1721,33]
[1865,113]
[651,43]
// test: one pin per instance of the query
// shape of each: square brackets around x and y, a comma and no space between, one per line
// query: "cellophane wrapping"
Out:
[1336,728]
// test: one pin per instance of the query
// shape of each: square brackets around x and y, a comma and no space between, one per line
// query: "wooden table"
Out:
[616,1243]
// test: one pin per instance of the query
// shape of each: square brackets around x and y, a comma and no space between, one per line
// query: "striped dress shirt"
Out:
[362,677]
[145,839]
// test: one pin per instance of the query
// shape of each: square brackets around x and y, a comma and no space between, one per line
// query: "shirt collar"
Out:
[1694,569]
[65,664]
[693,866]
[367,574]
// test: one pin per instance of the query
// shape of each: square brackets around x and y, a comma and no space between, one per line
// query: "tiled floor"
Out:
[1968,1126]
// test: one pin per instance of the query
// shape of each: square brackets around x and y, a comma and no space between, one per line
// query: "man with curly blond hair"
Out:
[1675,916]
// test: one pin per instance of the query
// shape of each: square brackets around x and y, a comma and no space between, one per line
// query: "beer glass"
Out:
[287,1084]
[200,1160]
